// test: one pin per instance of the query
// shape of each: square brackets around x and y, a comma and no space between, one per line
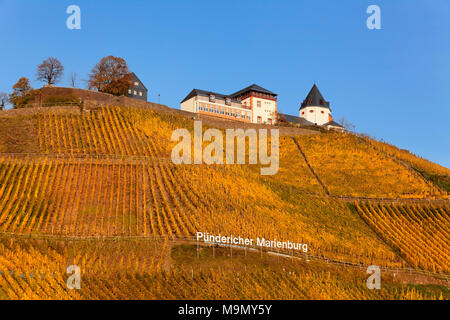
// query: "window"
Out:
[228,101]
[322,112]
[258,104]
[136,83]
[217,109]
[269,120]
[135,92]
[259,119]
[200,107]
[140,93]
[303,113]
[212,98]
[311,111]
[129,91]
[227,112]
[221,111]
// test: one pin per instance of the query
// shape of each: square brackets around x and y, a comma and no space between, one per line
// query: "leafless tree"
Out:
[50,71]
[73,79]
[4,100]
[347,124]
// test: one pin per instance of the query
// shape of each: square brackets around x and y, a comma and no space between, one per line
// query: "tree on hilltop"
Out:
[50,71]
[23,93]
[111,75]
[347,124]
[4,99]
[73,79]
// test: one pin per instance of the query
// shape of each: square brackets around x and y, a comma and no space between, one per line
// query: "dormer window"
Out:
[212,98]
[228,101]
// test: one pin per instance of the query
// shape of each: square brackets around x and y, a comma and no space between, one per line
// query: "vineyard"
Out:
[439,175]
[107,173]
[349,166]
[419,232]
[103,198]
[32,270]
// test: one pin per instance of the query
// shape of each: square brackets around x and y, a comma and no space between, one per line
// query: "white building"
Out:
[253,104]
[317,111]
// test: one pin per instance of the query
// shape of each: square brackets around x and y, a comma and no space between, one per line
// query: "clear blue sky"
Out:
[392,83]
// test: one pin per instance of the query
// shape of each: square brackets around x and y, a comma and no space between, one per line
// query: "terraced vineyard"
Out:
[349,166]
[107,173]
[419,232]
[143,274]
[105,198]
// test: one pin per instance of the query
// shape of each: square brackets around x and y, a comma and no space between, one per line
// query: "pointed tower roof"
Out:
[315,98]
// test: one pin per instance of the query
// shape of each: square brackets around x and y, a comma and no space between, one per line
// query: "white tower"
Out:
[315,109]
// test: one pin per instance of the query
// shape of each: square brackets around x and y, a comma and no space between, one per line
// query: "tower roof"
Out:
[315,98]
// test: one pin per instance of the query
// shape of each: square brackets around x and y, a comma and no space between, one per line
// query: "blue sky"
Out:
[392,83]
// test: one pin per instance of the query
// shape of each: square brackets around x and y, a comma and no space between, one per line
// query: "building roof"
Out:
[135,77]
[294,119]
[204,93]
[333,124]
[315,98]
[256,88]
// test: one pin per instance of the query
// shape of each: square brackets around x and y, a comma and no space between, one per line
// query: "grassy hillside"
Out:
[107,173]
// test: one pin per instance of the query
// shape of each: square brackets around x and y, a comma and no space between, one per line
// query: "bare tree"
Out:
[347,124]
[50,71]
[73,79]
[4,100]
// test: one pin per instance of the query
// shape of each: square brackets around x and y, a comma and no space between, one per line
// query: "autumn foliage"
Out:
[107,174]
[110,75]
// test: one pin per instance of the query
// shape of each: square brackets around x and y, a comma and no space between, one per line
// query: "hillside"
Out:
[74,180]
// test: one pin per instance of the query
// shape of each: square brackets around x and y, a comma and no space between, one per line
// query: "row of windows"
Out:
[259,120]
[312,111]
[134,92]
[258,103]
[224,111]
[212,98]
